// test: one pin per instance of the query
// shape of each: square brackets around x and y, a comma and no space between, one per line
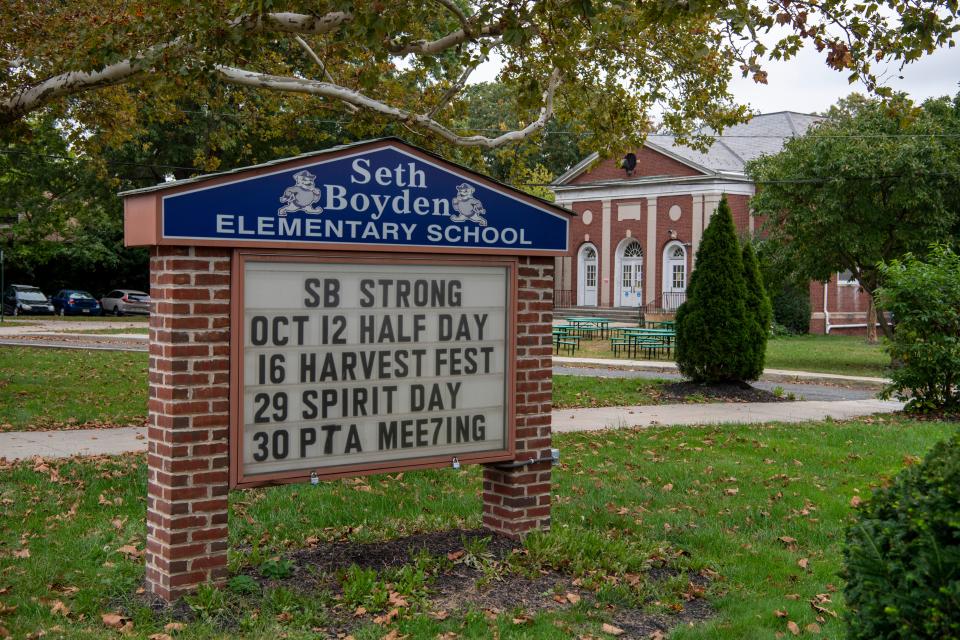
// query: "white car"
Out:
[123,301]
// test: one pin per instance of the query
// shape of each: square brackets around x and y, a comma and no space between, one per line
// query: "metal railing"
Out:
[563,298]
[670,300]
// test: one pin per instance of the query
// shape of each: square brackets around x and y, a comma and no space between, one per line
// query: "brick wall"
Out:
[518,500]
[649,163]
[189,409]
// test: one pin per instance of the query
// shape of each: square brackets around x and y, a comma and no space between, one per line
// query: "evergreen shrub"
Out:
[791,308]
[902,556]
[712,329]
[759,316]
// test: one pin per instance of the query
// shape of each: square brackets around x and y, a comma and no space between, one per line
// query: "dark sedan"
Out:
[73,302]
[23,299]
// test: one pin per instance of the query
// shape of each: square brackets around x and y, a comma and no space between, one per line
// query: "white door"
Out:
[587,291]
[630,282]
[674,276]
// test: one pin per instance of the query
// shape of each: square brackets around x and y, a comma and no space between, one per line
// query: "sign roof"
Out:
[377,195]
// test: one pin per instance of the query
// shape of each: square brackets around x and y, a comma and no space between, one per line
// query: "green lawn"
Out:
[761,509]
[581,391]
[128,330]
[850,355]
[54,388]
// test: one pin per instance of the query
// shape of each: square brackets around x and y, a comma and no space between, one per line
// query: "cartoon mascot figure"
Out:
[302,196]
[467,206]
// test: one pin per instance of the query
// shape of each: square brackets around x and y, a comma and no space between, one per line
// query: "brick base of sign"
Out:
[516,501]
[189,421]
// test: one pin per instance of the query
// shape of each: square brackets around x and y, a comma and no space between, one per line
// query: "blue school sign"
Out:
[383,194]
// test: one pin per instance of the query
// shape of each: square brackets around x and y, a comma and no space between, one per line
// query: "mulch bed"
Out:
[726,392]
[459,587]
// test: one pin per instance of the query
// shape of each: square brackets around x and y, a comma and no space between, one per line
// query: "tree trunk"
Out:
[871,321]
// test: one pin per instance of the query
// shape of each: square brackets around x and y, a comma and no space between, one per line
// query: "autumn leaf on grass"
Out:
[813,627]
[130,551]
[387,618]
[573,598]
[22,553]
[360,612]
[667,487]
[791,543]
[453,556]
[398,600]
[59,608]
[439,615]
[794,629]
[174,626]
[3,632]
[160,636]
[611,630]
[117,621]
[855,501]
[732,491]
[780,613]
[803,563]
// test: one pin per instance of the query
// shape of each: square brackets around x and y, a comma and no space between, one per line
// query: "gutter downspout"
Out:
[826,313]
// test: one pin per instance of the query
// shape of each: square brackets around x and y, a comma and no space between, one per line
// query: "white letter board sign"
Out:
[370,364]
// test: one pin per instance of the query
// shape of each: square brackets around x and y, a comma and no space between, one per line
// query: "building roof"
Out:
[763,134]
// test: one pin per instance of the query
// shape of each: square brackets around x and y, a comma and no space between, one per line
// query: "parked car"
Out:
[73,302]
[20,299]
[123,301]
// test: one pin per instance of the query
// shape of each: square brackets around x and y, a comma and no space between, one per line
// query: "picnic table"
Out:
[564,337]
[633,339]
[588,326]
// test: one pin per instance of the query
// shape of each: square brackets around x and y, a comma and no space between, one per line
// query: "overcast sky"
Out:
[806,84]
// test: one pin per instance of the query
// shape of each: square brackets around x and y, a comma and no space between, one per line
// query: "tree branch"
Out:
[328,90]
[293,22]
[461,16]
[452,39]
[72,82]
[323,68]
[453,90]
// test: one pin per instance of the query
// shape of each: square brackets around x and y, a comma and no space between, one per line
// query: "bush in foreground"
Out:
[924,298]
[902,559]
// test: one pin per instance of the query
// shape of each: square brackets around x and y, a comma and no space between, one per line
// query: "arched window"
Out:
[633,250]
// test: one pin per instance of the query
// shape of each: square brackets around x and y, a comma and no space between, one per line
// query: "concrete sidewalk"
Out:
[79,442]
[664,365]
[565,420]
[62,444]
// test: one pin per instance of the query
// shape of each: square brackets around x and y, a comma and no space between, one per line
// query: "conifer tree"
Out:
[759,314]
[712,336]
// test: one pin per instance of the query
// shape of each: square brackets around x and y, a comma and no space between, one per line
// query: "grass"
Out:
[712,500]
[128,330]
[83,318]
[57,388]
[848,355]
[70,388]
[580,391]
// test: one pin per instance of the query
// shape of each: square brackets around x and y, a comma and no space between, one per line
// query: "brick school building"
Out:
[633,243]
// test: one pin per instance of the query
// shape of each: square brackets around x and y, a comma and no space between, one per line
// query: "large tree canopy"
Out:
[606,64]
[871,183]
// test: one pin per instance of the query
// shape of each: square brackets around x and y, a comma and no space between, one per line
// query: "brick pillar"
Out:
[188,464]
[516,501]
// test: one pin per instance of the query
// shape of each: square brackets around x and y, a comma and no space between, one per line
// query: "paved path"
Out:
[801,391]
[63,444]
[60,444]
[565,420]
[663,365]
